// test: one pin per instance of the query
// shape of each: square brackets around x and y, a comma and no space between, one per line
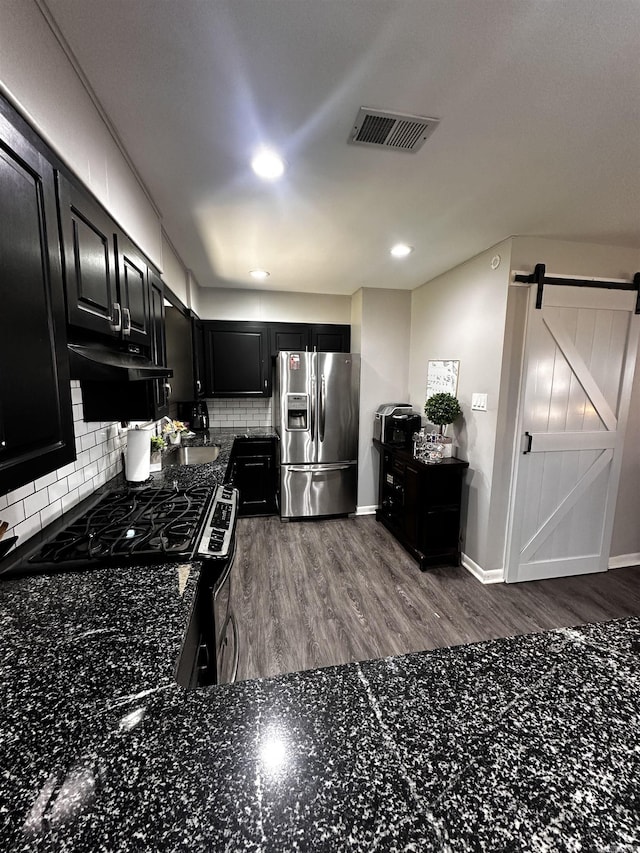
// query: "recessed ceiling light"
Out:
[401,250]
[267,164]
[259,274]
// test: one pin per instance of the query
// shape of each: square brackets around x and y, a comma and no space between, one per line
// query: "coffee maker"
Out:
[195,414]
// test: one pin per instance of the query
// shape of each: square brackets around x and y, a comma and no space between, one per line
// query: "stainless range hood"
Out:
[96,362]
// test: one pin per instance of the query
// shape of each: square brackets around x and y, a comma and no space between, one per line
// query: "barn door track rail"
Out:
[539,277]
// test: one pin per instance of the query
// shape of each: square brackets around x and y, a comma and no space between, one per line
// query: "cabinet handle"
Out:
[116,318]
[265,383]
[126,331]
[167,387]
[198,386]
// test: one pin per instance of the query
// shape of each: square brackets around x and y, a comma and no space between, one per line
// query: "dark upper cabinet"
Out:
[135,401]
[199,357]
[105,274]
[289,336]
[161,387]
[325,337]
[133,291]
[330,338]
[237,357]
[36,423]
[90,266]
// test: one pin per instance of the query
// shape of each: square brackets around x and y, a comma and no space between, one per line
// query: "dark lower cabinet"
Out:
[36,422]
[252,470]
[420,504]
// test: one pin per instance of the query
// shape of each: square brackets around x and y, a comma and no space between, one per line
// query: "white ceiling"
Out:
[539,104]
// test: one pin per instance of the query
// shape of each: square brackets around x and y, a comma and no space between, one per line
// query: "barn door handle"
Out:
[529,441]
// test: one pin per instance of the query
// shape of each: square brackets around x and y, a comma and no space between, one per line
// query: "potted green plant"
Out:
[443,409]
[158,444]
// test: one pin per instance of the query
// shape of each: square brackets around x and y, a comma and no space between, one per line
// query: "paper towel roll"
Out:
[138,455]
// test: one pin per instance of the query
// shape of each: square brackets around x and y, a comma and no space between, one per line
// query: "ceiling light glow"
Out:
[267,164]
[401,250]
[259,274]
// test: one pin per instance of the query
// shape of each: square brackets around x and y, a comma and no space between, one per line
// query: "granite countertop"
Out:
[523,744]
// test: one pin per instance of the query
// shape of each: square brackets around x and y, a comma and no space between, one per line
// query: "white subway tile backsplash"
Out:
[64,472]
[14,514]
[47,480]
[27,527]
[76,479]
[35,502]
[99,449]
[19,494]
[88,440]
[50,513]
[70,500]
[97,452]
[232,412]
[58,489]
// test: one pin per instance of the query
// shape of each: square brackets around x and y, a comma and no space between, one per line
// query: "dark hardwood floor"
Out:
[312,594]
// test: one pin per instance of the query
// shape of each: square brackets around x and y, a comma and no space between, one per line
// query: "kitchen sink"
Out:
[197,455]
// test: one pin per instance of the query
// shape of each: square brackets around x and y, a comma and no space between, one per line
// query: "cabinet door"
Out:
[330,338]
[161,387]
[89,261]
[36,425]
[254,478]
[290,336]
[237,360]
[133,291]
[201,382]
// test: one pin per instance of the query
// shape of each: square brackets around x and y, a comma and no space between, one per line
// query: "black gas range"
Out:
[146,526]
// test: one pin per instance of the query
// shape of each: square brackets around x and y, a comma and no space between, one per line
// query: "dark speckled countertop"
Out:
[524,744]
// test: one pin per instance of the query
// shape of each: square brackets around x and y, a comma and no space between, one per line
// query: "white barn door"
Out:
[580,353]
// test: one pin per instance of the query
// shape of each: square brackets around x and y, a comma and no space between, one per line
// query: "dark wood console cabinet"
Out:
[420,504]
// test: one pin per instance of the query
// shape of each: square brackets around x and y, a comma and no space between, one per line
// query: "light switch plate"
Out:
[479,402]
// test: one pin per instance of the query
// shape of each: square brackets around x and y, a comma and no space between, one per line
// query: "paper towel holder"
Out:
[138,457]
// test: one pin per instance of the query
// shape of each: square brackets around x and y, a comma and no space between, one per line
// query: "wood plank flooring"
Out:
[312,594]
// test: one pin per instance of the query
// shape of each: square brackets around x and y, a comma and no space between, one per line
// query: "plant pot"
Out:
[156,460]
[174,437]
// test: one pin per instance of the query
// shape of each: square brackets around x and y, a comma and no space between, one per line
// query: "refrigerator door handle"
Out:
[323,393]
[312,397]
[317,469]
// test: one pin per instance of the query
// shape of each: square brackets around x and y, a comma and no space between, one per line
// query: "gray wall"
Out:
[461,315]
[38,76]
[382,323]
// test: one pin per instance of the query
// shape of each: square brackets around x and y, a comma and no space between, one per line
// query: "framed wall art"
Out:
[442,376]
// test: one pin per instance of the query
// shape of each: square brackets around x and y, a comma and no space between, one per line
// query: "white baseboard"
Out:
[366,510]
[624,560]
[483,575]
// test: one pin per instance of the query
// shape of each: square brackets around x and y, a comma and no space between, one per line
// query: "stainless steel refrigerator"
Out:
[316,408]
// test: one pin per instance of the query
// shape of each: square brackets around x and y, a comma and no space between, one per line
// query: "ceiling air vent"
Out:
[391,130]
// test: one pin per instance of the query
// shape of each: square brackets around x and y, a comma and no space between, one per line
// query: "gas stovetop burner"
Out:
[145,525]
